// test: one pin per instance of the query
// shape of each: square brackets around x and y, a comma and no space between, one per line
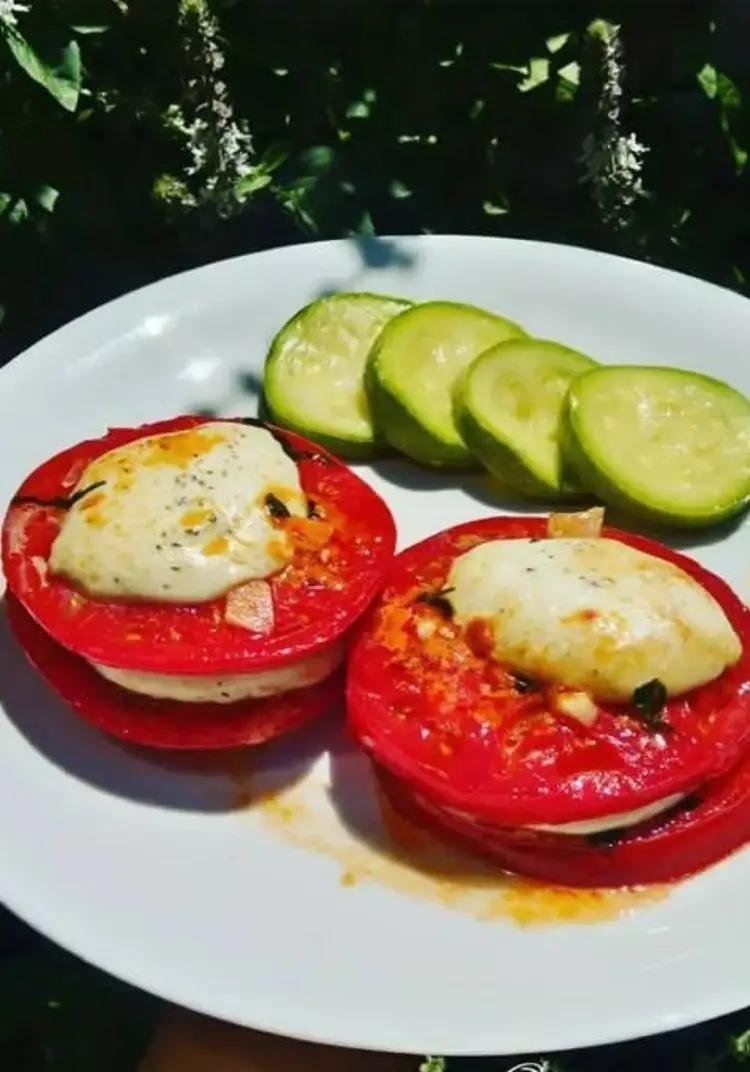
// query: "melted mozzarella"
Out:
[619,821]
[179,517]
[229,688]
[594,614]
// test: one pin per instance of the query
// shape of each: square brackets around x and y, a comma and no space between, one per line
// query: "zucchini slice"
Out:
[314,374]
[509,408]
[664,444]
[413,369]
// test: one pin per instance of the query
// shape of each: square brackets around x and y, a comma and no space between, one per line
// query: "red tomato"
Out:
[314,602]
[463,732]
[687,839]
[165,723]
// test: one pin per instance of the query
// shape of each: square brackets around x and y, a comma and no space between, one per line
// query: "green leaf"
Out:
[498,65]
[317,159]
[719,86]
[361,109]
[496,208]
[727,91]
[5,200]
[740,1046]
[18,212]
[62,81]
[255,180]
[602,29]
[275,155]
[399,190]
[46,197]
[90,29]
[538,74]
[554,44]
[568,81]
[365,227]
[739,154]
[708,79]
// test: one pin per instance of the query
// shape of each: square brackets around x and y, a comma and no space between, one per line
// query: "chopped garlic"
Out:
[250,606]
[577,705]
[425,628]
[583,523]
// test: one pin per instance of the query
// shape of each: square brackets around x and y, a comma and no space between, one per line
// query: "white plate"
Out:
[153,870]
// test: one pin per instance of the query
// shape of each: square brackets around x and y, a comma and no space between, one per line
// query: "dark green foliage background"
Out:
[367,117]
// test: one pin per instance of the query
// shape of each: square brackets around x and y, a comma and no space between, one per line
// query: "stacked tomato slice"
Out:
[316,598]
[463,746]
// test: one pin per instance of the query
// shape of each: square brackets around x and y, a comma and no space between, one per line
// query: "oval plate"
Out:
[261,887]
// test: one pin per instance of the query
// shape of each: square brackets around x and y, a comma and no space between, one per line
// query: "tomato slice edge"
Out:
[165,724]
[664,850]
[207,647]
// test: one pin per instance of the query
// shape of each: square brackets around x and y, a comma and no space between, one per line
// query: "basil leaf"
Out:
[438,601]
[62,81]
[649,700]
[522,683]
[276,507]
[59,502]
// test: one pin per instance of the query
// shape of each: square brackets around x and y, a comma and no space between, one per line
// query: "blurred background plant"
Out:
[138,138]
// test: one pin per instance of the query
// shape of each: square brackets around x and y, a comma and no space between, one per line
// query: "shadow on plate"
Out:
[680,539]
[477,485]
[186,781]
[375,254]
[367,815]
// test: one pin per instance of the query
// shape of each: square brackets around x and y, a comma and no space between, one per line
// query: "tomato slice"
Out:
[314,602]
[670,847]
[461,730]
[165,723]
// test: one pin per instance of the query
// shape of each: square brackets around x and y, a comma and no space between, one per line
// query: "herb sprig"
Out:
[649,701]
[438,600]
[58,502]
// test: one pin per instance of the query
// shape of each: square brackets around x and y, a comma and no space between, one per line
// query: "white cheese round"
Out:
[229,688]
[180,517]
[593,614]
[619,821]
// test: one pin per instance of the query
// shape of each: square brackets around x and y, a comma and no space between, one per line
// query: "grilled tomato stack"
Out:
[572,702]
[191,583]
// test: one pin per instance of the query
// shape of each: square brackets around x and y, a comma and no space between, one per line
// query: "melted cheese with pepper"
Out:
[180,517]
[594,614]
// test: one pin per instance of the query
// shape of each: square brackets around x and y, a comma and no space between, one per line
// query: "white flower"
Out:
[218,145]
[612,160]
[8,11]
